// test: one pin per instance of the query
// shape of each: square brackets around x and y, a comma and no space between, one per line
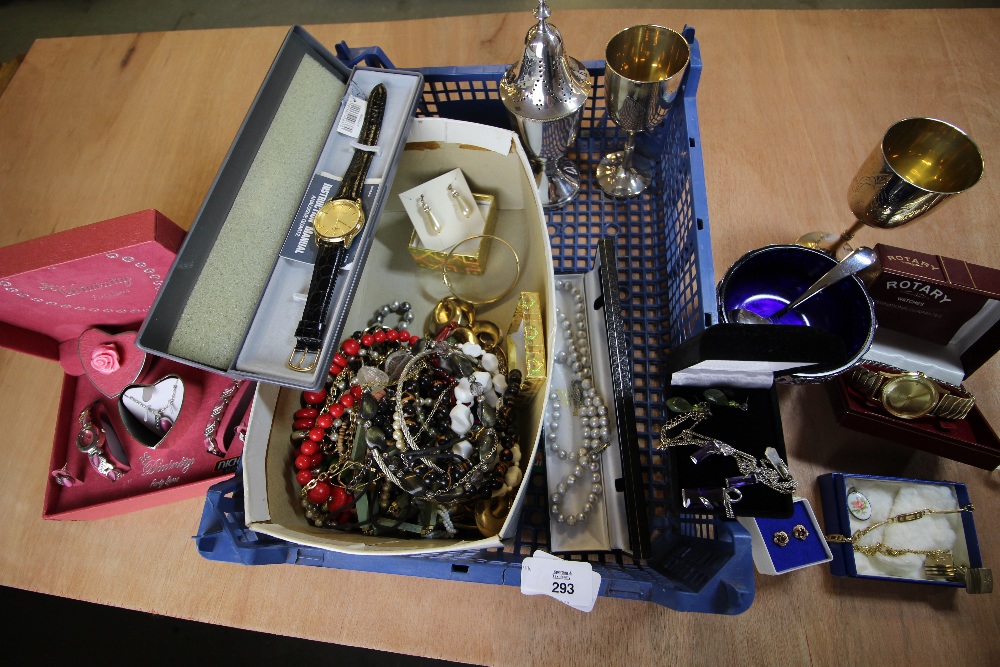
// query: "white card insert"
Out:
[444,197]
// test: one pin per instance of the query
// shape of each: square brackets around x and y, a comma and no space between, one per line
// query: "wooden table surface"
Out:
[790,103]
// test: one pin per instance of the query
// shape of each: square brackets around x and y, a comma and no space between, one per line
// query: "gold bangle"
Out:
[483,302]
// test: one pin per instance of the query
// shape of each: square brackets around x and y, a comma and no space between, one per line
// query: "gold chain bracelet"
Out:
[880,548]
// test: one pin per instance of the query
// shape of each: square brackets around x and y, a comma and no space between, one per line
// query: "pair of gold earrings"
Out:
[799,532]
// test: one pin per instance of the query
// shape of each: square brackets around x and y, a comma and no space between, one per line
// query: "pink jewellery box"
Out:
[133,430]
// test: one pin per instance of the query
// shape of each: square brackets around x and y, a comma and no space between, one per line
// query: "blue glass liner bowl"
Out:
[765,280]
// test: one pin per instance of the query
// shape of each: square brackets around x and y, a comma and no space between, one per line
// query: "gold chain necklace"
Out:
[880,548]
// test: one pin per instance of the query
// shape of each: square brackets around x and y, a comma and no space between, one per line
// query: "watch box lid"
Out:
[104,275]
[952,305]
[299,48]
[231,302]
[751,355]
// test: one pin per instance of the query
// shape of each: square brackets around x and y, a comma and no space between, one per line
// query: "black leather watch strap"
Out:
[354,178]
[311,328]
[309,334]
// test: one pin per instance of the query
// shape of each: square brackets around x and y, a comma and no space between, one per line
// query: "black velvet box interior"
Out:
[741,360]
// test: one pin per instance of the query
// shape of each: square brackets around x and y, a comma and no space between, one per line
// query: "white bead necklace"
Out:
[593,415]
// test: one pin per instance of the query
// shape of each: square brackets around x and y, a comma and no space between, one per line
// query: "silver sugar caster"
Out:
[544,95]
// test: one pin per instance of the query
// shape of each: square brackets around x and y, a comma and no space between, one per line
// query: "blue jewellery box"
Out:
[856,502]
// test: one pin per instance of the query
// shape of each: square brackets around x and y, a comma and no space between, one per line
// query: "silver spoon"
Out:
[860,259]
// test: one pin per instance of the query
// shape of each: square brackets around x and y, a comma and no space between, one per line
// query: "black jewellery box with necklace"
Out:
[267,273]
[723,444]
[592,460]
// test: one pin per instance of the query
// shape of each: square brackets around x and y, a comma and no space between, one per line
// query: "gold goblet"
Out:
[645,65]
[920,163]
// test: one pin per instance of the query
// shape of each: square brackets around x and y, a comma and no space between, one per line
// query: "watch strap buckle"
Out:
[303,359]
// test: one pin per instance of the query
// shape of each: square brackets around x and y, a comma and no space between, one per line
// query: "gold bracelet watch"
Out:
[911,394]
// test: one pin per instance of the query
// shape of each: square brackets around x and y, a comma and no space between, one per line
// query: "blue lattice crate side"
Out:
[696,566]
[699,566]
[464,93]
[223,536]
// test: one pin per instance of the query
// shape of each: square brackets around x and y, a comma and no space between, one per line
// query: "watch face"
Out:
[339,219]
[909,396]
[88,440]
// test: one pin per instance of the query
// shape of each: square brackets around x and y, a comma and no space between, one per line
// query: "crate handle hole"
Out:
[461,569]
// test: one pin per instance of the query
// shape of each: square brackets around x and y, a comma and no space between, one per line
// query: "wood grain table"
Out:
[790,103]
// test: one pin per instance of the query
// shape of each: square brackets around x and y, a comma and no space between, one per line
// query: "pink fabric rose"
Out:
[104,359]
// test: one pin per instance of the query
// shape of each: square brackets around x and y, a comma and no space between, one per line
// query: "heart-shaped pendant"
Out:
[110,361]
[149,411]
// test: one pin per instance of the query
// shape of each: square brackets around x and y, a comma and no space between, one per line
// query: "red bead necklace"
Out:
[322,425]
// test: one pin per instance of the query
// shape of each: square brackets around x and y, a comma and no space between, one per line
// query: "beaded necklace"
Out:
[382,382]
[327,421]
[593,416]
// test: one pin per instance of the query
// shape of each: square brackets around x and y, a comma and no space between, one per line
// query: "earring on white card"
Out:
[459,202]
[433,224]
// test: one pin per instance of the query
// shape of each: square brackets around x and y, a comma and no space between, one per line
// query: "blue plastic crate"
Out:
[699,563]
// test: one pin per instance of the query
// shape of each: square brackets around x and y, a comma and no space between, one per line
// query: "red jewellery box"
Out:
[938,321]
[133,430]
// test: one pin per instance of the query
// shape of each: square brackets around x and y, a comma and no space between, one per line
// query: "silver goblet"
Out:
[645,65]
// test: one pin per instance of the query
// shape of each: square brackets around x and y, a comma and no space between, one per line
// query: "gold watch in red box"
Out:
[911,394]
[937,315]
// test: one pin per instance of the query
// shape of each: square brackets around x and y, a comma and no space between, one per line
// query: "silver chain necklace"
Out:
[159,421]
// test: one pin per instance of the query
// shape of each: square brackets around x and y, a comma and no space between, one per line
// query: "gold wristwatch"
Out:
[335,225]
[911,394]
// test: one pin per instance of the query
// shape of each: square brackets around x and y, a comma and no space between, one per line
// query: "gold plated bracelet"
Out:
[880,548]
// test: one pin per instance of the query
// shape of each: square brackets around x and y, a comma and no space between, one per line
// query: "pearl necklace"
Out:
[593,411]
